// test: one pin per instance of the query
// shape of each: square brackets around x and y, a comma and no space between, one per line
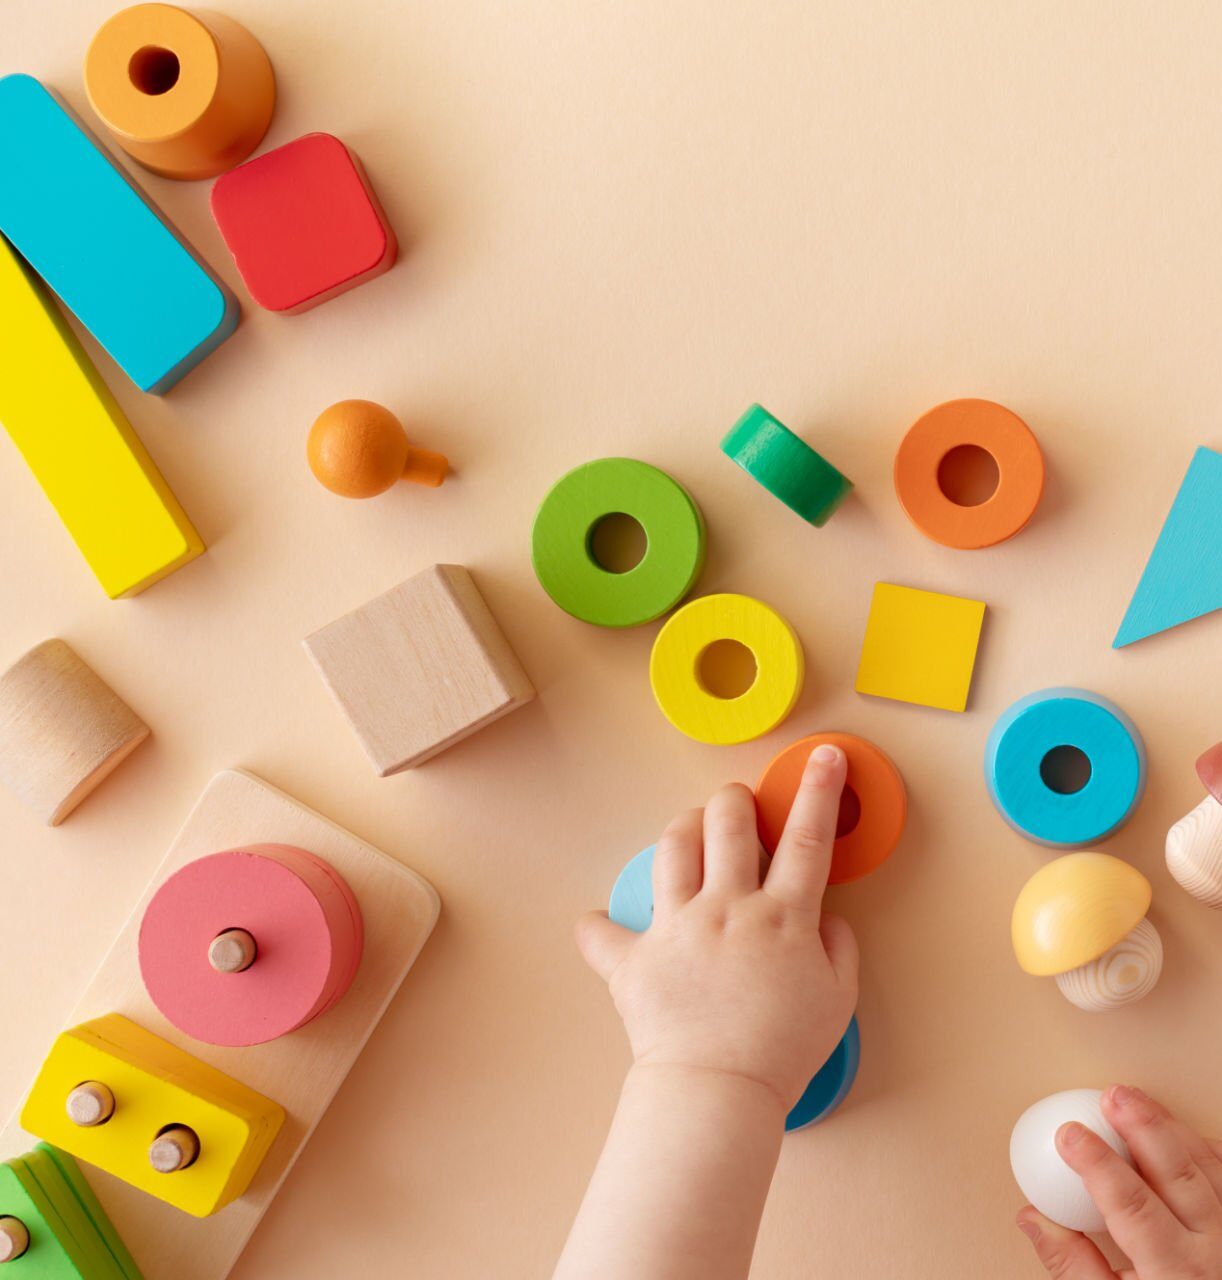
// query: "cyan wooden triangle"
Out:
[1183,577]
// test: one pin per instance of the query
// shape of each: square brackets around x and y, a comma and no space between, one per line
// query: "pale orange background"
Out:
[622,222]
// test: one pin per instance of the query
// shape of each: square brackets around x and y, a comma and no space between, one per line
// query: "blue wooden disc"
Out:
[830,1085]
[632,906]
[1035,726]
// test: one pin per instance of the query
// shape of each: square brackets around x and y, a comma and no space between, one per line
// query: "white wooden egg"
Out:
[1045,1179]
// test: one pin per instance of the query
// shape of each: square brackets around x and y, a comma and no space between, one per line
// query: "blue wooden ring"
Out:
[1051,718]
[632,906]
[830,1085]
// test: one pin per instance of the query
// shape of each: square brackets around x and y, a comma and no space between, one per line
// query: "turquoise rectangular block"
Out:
[101,245]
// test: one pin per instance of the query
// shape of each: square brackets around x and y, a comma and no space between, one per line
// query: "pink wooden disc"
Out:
[307,930]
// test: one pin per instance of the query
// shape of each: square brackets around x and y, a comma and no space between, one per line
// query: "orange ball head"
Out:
[359,449]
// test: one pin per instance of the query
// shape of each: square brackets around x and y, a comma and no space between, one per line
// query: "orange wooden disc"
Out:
[1005,437]
[881,803]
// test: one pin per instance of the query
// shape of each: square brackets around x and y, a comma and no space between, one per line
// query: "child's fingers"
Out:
[1164,1157]
[602,944]
[840,943]
[798,875]
[731,841]
[1140,1223]
[678,862]
[1064,1253]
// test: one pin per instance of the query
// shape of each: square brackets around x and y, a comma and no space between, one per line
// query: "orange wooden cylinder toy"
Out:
[187,95]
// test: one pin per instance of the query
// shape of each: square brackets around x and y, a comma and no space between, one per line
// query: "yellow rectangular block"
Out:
[920,646]
[80,446]
[155,1085]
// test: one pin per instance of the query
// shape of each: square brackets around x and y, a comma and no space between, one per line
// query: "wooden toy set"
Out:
[270,941]
[1064,767]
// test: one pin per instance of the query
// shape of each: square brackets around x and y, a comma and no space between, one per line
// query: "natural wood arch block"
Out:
[63,729]
[302,1071]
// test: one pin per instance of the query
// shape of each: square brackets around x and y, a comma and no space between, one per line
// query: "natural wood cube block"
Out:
[419,668]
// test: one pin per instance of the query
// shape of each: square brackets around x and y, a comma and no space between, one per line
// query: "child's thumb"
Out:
[602,944]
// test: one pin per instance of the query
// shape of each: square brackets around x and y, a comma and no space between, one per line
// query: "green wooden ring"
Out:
[564,525]
[785,465]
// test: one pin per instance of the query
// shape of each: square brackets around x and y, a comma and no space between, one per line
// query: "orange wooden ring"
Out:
[1008,441]
[876,784]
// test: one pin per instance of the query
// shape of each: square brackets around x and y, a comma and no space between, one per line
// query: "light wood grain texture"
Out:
[1121,975]
[63,729]
[90,1103]
[14,1239]
[1194,852]
[301,1071]
[176,1149]
[419,668]
[233,951]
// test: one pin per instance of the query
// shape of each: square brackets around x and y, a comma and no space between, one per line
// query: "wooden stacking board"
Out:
[301,1071]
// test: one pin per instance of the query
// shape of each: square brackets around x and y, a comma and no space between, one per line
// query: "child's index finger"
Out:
[803,858]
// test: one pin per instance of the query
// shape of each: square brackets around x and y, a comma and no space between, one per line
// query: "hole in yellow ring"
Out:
[726,668]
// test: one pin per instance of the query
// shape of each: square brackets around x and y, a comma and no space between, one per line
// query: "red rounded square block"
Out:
[303,223]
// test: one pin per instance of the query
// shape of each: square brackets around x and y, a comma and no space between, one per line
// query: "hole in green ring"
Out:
[617,542]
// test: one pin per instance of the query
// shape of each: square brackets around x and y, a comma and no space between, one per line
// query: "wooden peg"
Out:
[63,729]
[14,1239]
[233,951]
[359,449]
[175,1149]
[90,1104]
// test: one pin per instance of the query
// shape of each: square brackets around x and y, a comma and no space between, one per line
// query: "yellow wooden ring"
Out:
[674,669]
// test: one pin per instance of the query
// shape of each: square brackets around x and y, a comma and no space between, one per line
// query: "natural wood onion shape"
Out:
[1124,973]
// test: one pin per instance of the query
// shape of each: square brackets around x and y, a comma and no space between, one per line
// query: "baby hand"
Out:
[737,976]
[1166,1215]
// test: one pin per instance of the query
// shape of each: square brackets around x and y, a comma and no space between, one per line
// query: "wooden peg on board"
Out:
[233,951]
[63,729]
[177,1148]
[90,1103]
[14,1239]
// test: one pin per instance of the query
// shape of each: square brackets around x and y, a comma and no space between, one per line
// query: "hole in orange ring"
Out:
[154,70]
[968,475]
[618,542]
[1065,770]
[850,812]
[726,669]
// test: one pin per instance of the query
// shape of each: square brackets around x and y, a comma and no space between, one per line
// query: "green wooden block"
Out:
[785,465]
[564,526]
[53,1253]
[73,1180]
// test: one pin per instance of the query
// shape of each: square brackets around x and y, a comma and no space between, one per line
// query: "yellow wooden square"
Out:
[920,647]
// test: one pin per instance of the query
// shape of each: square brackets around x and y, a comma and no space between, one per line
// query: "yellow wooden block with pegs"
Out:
[920,646]
[80,447]
[164,1101]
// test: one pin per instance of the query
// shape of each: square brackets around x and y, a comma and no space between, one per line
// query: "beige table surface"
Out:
[622,222]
